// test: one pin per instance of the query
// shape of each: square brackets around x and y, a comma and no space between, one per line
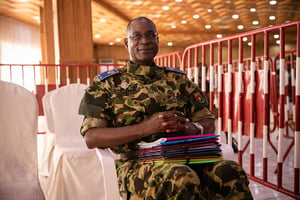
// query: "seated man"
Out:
[126,105]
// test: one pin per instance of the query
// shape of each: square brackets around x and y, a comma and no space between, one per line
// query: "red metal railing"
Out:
[243,96]
[247,89]
[171,60]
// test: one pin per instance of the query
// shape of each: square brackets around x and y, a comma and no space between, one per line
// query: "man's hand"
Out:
[174,121]
[169,121]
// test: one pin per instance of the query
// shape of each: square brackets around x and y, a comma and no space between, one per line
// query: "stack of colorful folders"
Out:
[194,149]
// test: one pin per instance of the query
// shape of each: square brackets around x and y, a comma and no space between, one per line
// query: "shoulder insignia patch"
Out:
[106,74]
[199,97]
[173,69]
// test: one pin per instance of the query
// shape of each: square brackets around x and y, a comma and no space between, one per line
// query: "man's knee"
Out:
[179,181]
[182,173]
[228,170]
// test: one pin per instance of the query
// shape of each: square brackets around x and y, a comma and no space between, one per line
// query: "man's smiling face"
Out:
[142,42]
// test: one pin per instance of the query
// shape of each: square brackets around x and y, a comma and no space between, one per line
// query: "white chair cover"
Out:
[227,151]
[46,141]
[18,144]
[75,172]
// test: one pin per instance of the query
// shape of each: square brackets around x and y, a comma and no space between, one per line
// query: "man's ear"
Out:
[126,42]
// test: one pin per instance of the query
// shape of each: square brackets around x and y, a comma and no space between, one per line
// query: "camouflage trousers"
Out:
[219,180]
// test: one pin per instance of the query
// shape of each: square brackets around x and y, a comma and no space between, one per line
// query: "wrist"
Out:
[198,127]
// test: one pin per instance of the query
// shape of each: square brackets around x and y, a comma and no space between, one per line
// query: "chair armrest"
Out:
[109,174]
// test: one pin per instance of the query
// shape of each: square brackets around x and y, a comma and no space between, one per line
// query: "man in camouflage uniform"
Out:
[139,101]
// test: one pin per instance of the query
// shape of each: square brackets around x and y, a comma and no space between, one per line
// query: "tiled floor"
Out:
[261,192]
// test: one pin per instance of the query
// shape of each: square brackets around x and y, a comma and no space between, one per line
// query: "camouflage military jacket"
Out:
[132,94]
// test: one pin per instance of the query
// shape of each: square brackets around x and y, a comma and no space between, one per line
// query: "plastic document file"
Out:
[194,149]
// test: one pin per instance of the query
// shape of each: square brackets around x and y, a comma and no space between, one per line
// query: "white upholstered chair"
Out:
[46,141]
[75,172]
[227,151]
[18,144]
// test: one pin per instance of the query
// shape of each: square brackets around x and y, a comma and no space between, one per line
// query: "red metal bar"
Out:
[177,58]
[220,53]
[286,99]
[203,66]
[266,106]
[273,96]
[297,117]
[298,42]
[166,61]
[196,57]
[281,104]
[211,81]
[196,75]
[240,108]
[189,59]
[203,56]
[174,60]
[292,78]
[230,52]
[220,91]
[229,86]
[252,106]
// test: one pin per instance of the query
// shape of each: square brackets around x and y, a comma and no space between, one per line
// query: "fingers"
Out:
[176,116]
[173,121]
[176,128]
[170,114]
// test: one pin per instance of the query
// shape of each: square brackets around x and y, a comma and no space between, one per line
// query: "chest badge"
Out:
[124,85]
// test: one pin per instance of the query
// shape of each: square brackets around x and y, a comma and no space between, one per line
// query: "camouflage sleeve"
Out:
[204,113]
[91,122]
[95,107]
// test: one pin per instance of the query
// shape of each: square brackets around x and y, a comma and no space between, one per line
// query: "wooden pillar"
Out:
[47,41]
[75,31]
[75,36]
[47,34]
[66,36]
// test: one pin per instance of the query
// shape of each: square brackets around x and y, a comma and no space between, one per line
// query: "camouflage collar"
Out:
[142,70]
